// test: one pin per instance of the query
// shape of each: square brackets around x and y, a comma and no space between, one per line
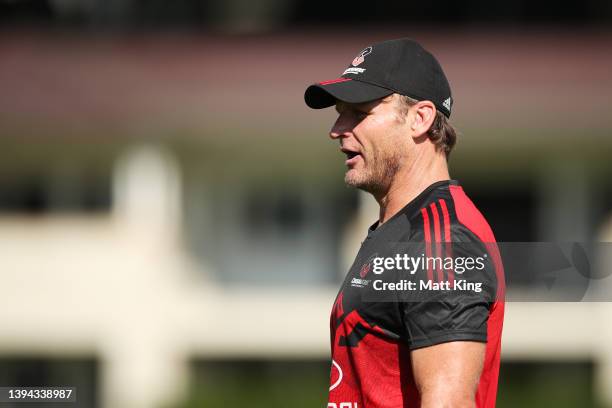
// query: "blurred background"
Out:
[173,220]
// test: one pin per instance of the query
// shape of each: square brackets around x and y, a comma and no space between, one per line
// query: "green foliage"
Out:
[260,385]
[546,385]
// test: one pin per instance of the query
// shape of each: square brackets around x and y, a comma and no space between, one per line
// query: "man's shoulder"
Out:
[447,214]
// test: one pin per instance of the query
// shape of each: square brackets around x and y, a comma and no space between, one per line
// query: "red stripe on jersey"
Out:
[427,231]
[335,81]
[436,220]
[447,235]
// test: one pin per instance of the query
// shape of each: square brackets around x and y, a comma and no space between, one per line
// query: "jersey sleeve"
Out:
[454,292]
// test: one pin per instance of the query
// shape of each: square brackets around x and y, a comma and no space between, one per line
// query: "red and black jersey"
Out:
[373,331]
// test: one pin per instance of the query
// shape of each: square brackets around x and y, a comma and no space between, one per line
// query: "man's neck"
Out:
[409,182]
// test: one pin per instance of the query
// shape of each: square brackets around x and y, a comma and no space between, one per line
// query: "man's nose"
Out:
[340,129]
[334,133]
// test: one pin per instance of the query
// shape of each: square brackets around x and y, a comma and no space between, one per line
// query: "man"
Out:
[435,344]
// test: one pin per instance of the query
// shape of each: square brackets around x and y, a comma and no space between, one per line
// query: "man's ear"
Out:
[424,113]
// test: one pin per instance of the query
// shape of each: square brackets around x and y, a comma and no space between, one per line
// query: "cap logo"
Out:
[353,70]
[361,57]
[447,103]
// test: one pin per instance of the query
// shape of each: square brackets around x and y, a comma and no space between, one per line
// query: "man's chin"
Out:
[352,178]
[361,181]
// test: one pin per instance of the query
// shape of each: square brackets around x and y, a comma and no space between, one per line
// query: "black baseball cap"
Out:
[400,66]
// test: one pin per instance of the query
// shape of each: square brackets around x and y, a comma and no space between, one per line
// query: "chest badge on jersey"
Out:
[361,281]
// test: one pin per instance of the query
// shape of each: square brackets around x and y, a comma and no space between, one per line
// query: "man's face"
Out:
[375,140]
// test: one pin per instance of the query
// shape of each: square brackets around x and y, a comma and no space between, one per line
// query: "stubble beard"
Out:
[377,177]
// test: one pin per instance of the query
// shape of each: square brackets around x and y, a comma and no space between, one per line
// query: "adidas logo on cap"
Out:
[447,103]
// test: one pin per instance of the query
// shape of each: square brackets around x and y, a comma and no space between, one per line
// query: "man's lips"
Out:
[352,156]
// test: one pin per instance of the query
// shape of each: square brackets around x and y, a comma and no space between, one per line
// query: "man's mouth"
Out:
[352,156]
